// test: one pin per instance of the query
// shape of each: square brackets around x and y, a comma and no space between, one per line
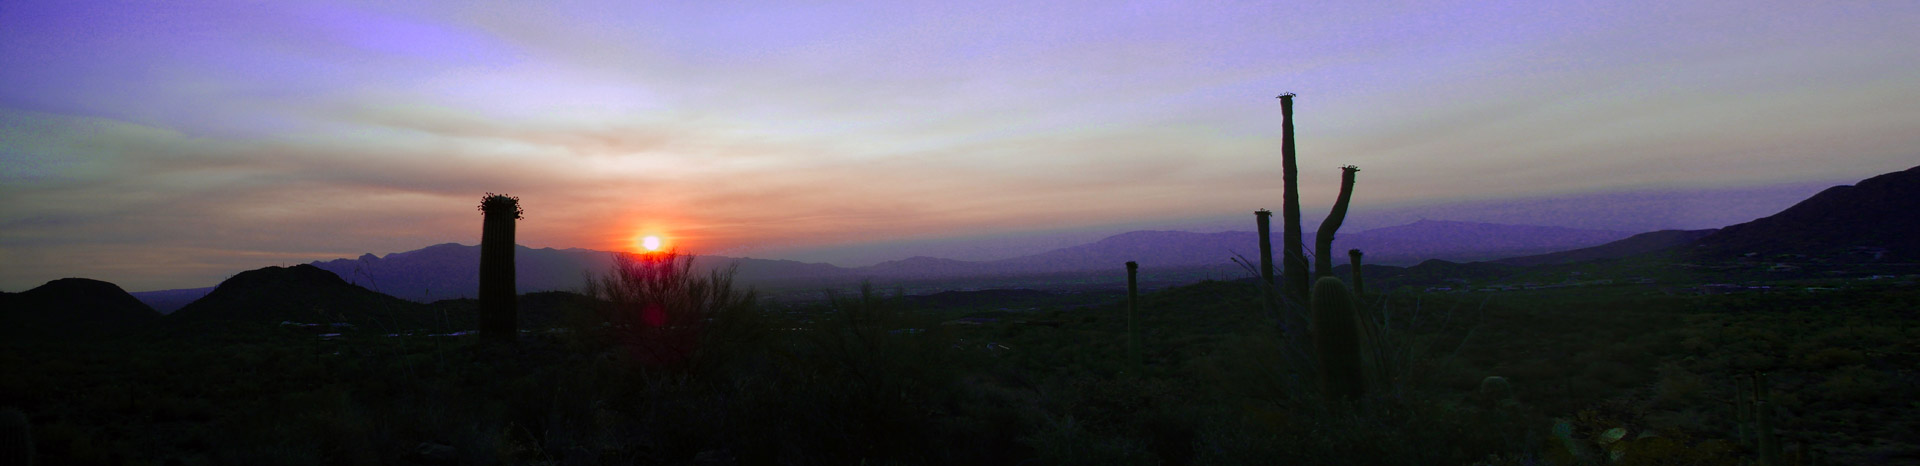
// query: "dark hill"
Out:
[1635,245]
[70,306]
[301,293]
[1879,212]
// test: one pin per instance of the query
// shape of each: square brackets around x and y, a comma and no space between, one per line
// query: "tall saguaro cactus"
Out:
[1294,262]
[498,311]
[1769,446]
[1336,340]
[1133,306]
[1353,257]
[1323,240]
[16,438]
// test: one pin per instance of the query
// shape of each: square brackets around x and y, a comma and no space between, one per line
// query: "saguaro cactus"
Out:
[1133,299]
[1743,412]
[1323,240]
[1353,257]
[1264,219]
[1769,446]
[1294,261]
[16,438]
[1336,340]
[498,311]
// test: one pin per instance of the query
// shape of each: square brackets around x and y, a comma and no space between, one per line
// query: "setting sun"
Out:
[650,243]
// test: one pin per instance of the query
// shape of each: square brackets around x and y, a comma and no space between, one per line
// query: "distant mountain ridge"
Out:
[1879,212]
[448,271]
[1644,243]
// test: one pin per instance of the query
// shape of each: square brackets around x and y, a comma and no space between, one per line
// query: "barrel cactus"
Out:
[1495,388]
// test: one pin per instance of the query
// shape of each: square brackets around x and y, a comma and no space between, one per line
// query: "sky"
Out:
[171,144]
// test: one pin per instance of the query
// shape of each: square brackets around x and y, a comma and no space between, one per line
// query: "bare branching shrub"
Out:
[671,318]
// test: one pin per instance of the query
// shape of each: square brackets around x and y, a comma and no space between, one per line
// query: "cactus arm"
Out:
[1323,240]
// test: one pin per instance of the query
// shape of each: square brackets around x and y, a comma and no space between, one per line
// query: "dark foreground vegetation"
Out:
[670,368]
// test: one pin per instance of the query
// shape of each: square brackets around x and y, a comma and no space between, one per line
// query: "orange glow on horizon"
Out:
[650,243]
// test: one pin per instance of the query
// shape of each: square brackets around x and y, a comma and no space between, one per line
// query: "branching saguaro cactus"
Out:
[1323,240]
[1753,418]
[1294,260]
[1359,290]
[1336,340]
[498,311]
[1133,307]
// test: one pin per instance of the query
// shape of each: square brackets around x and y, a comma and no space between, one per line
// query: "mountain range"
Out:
[1873,216]
[451,270]
[1879,217]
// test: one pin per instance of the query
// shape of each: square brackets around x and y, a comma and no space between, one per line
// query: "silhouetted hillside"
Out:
[71,306]
[301,293]
[1879,212]
[1643,243]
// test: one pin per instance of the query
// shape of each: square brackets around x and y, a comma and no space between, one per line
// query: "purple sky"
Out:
[170,144]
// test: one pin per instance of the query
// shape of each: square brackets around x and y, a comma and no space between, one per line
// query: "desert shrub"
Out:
[1677,385]
[670,318]
[1829,358]
[1857,384]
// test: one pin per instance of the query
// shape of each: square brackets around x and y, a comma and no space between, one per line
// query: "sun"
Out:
[650,243]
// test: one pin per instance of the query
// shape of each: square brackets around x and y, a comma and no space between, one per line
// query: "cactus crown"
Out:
[500,204]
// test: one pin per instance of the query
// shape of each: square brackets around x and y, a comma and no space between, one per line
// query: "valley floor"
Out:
[1208,379]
